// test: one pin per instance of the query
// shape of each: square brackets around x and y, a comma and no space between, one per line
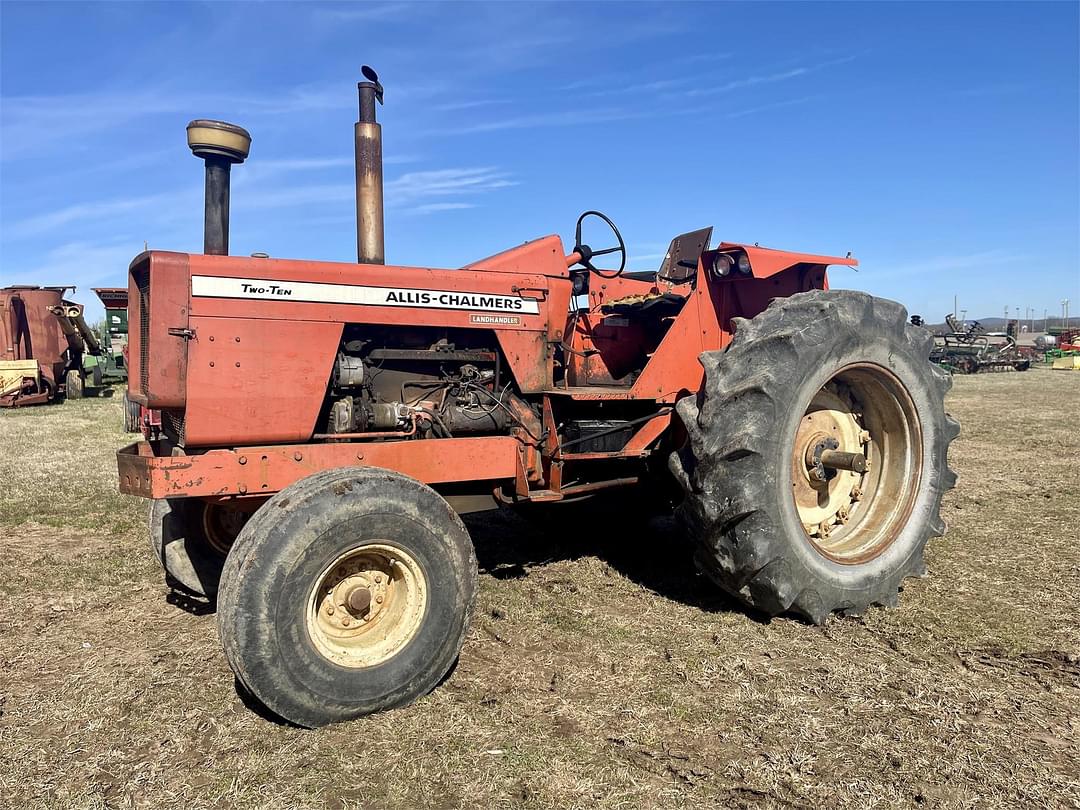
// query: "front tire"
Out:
[191,538]
[347,593]
[824,366]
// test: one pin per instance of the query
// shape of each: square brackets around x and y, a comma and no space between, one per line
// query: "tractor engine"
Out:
[416,384]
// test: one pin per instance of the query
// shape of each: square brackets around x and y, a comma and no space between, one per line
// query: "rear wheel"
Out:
[347,593]
[816,455]
[191,539]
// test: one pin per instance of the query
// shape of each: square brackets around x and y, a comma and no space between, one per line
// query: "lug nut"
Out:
[345,621]
[379,599]
[330,610]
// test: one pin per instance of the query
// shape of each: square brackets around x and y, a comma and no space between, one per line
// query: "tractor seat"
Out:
[653,305]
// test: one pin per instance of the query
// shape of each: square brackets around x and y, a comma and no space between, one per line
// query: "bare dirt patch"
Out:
[601,670]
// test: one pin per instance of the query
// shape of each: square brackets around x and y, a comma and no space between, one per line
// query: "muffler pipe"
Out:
[220,145]
[369,172]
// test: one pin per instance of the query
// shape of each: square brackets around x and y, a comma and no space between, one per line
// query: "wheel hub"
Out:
[855,462]
[367,605]
[821,494]
[221,525]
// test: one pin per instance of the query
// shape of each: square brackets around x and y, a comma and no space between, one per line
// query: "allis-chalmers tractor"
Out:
[324,425]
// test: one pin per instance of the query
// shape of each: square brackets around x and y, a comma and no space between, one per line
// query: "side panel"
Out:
[252,381]
[516,306]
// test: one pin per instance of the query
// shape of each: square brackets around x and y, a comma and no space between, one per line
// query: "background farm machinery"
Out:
[48,350]
[969,349]
[114,334]
[1062,350]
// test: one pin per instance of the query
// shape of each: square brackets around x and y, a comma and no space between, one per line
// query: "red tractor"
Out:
[325,424]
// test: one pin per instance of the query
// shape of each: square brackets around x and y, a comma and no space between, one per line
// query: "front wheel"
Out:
[191,538]
[816,455]
[347,593]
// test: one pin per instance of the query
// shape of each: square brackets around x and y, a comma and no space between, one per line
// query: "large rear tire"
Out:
[820,369]
[347,593]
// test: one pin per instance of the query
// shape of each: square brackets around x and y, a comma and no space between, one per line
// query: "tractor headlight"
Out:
[722,264]
[744,263]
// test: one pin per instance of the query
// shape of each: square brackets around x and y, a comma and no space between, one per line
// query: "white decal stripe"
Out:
[316,292]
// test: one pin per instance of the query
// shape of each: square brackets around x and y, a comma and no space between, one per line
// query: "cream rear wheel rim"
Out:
[853,517]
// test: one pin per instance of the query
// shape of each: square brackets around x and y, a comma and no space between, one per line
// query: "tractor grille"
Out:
[172,425]
[142,281]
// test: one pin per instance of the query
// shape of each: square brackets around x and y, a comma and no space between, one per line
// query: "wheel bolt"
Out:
[330,610]
[345,620]
[378,579]
[378,599]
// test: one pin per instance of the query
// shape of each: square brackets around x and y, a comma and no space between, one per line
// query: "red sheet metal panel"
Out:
[266,470]
[253,381]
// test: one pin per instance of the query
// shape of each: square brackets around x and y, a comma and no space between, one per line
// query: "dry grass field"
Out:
[600,671]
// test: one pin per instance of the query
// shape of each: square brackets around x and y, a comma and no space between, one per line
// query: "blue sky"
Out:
[937,142]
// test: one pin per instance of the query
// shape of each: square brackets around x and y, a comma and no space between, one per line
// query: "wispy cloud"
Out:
[423,192]
[83,264]
[944,264]
[429,188]
[655,86]
[645,261]
[774,106]
[557,119]
[768,78]
[420,192]
[33,123]
[454,106]
[362,12]
[94,211]
[431,208]
[260,170]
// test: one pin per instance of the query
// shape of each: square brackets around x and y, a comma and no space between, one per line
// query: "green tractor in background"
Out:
[110,366]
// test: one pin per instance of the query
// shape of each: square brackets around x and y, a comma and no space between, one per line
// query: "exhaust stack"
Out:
[220,145]
[369,172]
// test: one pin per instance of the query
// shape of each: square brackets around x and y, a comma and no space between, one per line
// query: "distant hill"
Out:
[998,324]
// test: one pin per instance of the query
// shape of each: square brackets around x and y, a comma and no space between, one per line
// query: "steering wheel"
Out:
[588,254]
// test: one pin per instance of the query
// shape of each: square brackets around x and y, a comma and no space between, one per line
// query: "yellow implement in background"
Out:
[14,372]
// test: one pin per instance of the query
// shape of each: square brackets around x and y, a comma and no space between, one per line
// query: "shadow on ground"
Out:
[648,549]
